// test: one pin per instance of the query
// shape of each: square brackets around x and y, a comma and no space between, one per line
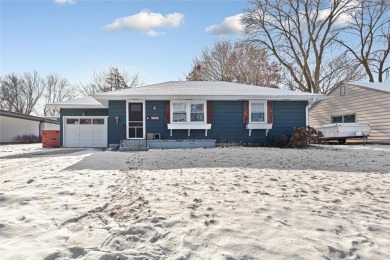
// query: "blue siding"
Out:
[288,114]
[227,124]
[116,132]
[79,112]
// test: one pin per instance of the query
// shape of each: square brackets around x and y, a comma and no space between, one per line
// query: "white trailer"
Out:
[342,131]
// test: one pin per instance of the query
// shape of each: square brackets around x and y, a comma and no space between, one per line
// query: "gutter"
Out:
[311,102]
[101,98]
[39,130]
[71,106]
[27,117]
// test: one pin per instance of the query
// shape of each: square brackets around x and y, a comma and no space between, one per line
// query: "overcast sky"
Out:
[157,39]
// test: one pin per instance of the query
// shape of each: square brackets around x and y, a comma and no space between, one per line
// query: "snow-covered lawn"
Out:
[222,203]
[14,149]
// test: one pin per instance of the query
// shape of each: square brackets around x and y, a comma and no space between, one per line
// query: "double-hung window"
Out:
[179,112]
[257,112]
[188,111]
[197,112]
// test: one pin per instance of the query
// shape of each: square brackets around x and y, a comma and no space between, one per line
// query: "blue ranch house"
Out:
[182,114]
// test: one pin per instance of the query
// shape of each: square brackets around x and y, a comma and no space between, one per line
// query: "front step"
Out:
[133,145]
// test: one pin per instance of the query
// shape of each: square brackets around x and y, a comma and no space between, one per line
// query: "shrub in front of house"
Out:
[27,139]
[300,138]
[303,137]
[281,142]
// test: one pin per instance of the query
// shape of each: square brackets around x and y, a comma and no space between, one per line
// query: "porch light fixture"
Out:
[154,107]
[117,119]
[83,114]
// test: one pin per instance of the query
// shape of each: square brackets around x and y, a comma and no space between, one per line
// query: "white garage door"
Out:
[85,131]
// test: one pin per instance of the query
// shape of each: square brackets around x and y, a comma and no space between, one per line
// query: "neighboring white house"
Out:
[15,124]
[362,102]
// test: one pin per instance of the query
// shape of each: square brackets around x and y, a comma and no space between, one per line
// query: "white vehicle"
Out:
[342,131]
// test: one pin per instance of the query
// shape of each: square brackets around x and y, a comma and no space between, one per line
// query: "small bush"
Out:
[281,142]
[315,135]
[303,137]
[300,138]
[26,139]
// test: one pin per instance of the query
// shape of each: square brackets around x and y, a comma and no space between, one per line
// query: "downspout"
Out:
[39,130]
[313,100]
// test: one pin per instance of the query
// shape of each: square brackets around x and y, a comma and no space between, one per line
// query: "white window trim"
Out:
[342,117]
[258,125]
[127,118]
[188,111]
[189,125]
[265,111]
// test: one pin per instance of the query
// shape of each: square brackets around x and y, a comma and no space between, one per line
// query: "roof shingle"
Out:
[190,88]
[213,90]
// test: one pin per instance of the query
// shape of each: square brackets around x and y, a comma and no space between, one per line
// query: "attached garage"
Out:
[85,131]
[84,122]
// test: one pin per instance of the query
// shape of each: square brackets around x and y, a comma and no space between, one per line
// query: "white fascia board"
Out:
[57,106]
[199,97]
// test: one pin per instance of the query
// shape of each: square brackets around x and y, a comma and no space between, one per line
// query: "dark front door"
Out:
[136,120]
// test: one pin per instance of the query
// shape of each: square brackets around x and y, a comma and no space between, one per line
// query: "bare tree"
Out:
[94,87]
[32,91]
[3,98]
[369,34]
[339,69]
[301,35]
[20,93]
[238,62]
[214,64]
[253,66]
[10,90]
[109,80]
[57,89]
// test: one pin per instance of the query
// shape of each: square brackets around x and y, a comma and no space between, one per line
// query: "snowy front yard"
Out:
[222,203]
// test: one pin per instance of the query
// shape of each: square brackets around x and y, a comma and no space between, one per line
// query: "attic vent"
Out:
[342,91]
